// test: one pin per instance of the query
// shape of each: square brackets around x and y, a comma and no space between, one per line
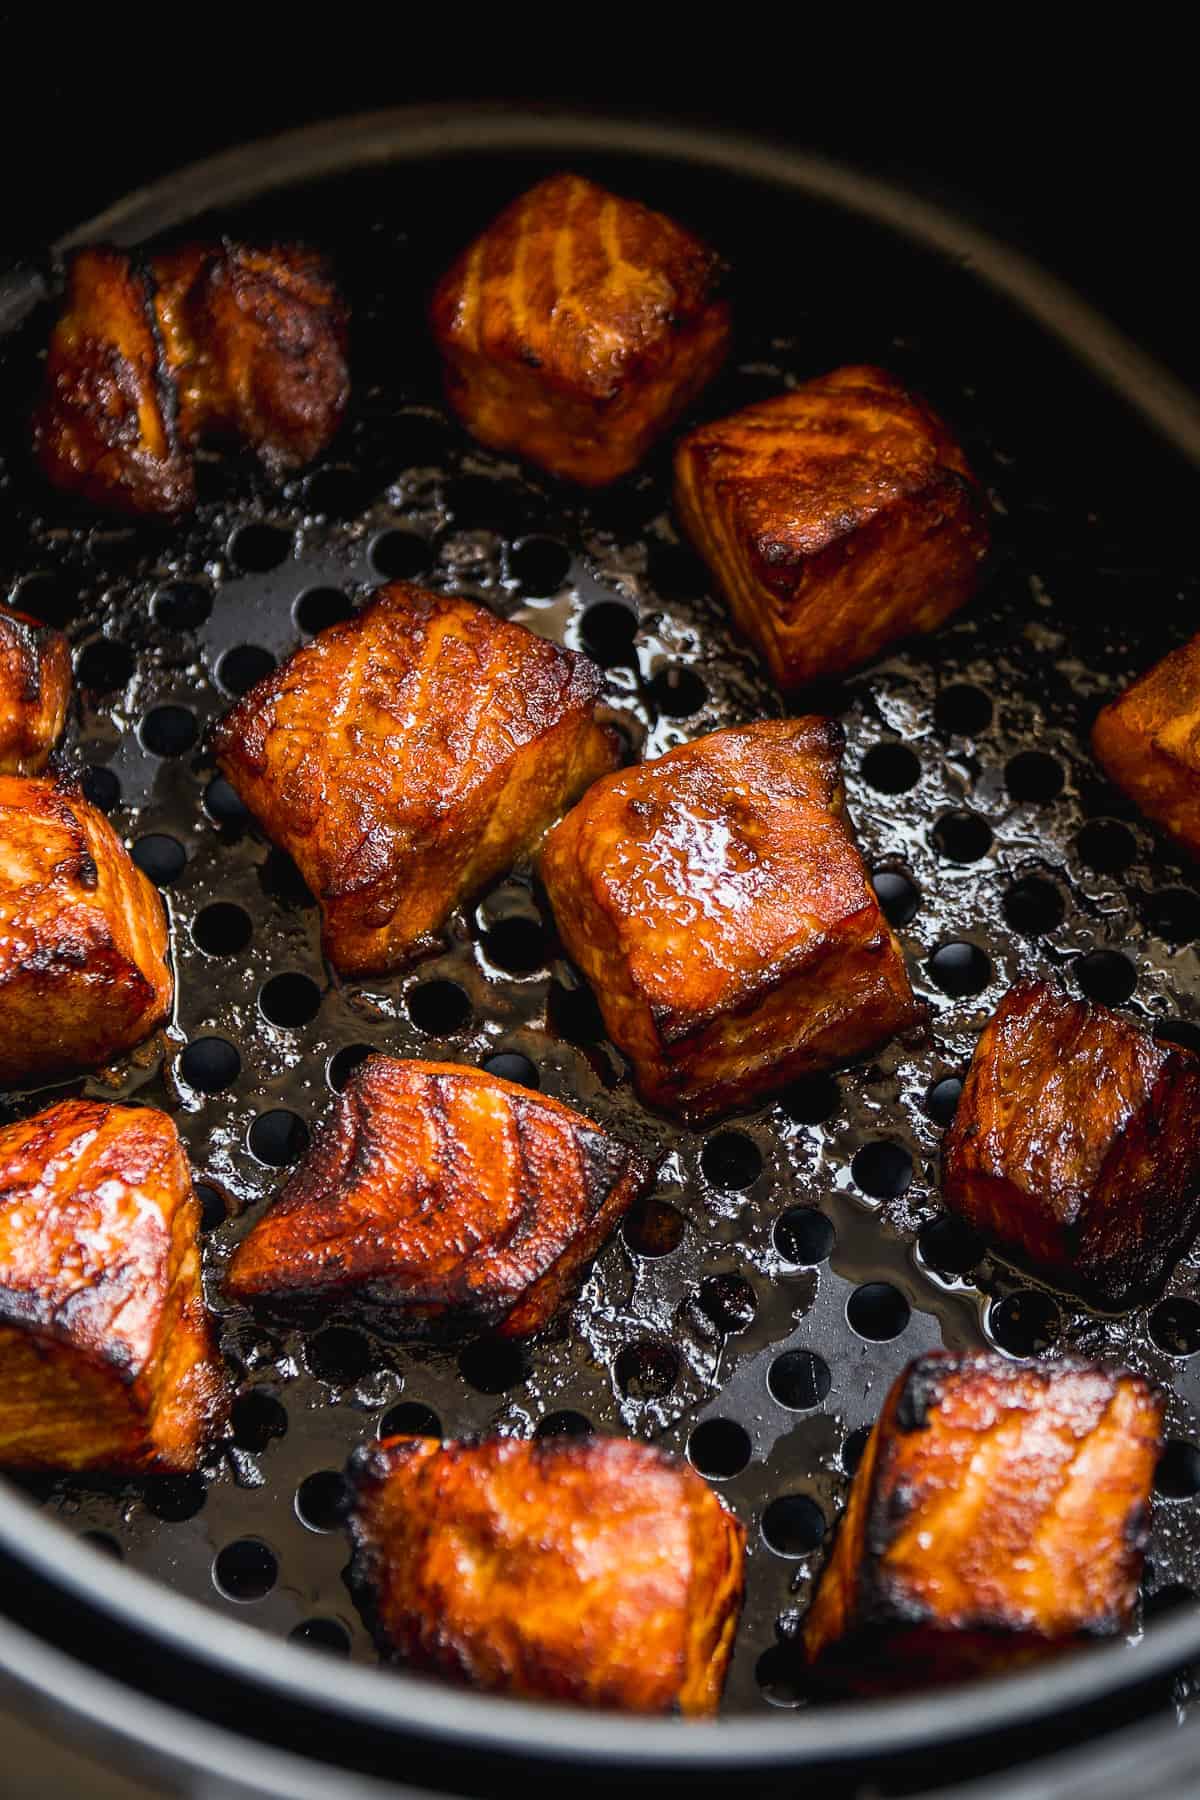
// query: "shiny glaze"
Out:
[836,517]
[577,326]
[718,905]
[410,756]
[83,936]
[440,1198]
[1000,1513]
[1148,740]
[1076,1143]
[208,342]
[35,687]
[602,1573]
[107,1359]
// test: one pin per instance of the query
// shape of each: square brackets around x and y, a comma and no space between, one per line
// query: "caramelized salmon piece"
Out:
[594,1571]
[408,757]
[256,342]
[83,936]
[1148,742]
[999,1514]
[577,327]
[107,1358]
[717,904]
[207,343]
[105,429]
[35,686]
[440,1199]
[836,518]
[1076,1144]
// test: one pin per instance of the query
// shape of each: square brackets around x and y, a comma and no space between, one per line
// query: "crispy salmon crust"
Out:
[440,1199]
[598,1572]
[577,327]
[836,518]
[207,343]
[1148,742]
[107,1359]
[717,904]
[999,1514]
[408,757]
[1075,1146]
[83,936]
[35,688]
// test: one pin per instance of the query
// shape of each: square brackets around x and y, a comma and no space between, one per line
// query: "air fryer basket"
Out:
[793,1259]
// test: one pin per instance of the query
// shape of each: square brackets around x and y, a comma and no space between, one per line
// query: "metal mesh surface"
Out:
[795,1258]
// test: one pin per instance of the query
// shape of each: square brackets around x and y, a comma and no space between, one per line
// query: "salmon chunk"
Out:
[35,687]
[408,757]
[718,906]
[107,1359]
[83,936]
[577,327]
[1148,742]
[1076,1144]
[999,1514]
[594,1571]
[836,518]
[440,1199]
[208,343]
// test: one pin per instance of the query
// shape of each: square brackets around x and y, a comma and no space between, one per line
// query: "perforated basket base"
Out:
[796,1257]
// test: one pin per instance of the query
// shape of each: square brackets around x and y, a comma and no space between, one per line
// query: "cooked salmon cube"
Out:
[107,1358]
[440,1199]
[1148,742]
[999,1514]
[83,936]
[209,342]
[1075,1147]
[836,518]
[718,906]
[35,686]
[577,327]
[255,339]
[105,428]
[594,1571]
[408,757]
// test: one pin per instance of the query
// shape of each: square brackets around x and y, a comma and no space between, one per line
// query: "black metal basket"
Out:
[794,1259]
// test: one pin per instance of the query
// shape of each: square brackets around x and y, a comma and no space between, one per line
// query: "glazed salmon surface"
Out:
[35,688]
[999,1514]
[1148,742]
[107,1359]
[598,1572]
[408,757]
[83,936]
[440,1198]
[836,518]
[577,326]
[1076,1143]
[214,342]
[716,902]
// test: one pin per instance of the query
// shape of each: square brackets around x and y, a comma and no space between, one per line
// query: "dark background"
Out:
[1084,156]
